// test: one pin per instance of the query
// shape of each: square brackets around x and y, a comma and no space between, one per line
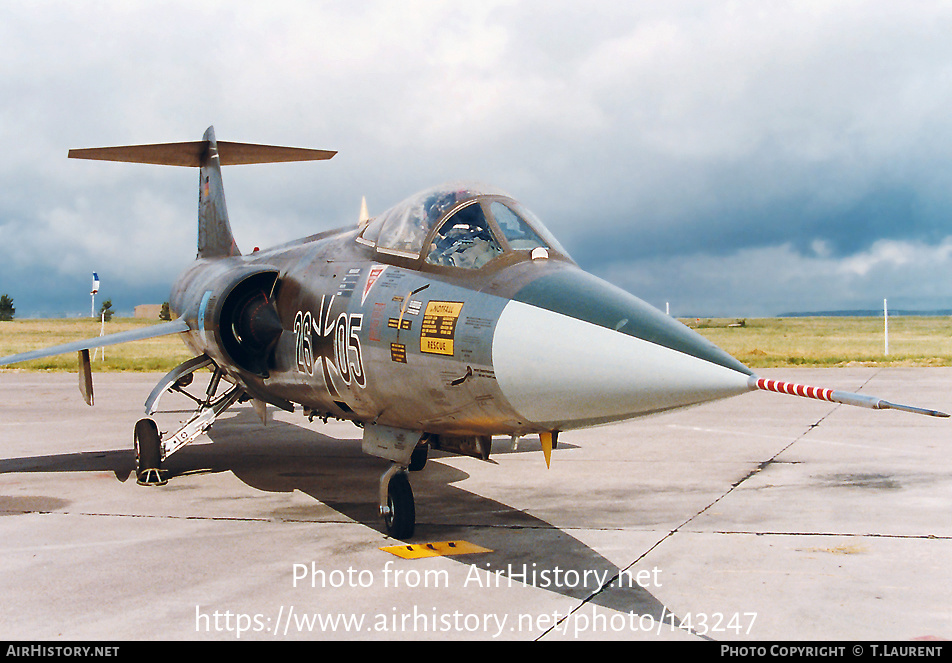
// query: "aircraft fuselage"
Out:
[419,349]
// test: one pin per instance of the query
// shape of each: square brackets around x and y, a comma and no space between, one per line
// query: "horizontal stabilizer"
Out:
[174,327]
[832,396]
[191,153]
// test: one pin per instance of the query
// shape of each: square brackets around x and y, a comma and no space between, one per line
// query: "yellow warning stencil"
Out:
[438,328]
[419,550]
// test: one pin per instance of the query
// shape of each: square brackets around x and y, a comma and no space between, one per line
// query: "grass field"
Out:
[157,354]
[832,341]
[759,343]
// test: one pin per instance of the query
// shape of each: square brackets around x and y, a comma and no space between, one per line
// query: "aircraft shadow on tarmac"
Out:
[285,457]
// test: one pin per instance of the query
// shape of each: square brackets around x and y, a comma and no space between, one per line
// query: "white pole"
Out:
[886,325]
[667,308]
[102,331]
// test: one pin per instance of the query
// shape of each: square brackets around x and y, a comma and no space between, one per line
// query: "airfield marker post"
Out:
[886,326]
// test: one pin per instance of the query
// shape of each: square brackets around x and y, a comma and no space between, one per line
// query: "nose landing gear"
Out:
[396,502]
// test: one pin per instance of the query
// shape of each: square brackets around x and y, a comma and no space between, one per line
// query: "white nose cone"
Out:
[560,373]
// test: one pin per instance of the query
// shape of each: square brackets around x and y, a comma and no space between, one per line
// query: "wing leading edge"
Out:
[176,326]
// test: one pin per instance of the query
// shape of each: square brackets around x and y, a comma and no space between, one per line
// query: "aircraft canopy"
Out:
[458,225]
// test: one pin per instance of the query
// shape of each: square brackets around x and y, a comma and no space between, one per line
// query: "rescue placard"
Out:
[438,328]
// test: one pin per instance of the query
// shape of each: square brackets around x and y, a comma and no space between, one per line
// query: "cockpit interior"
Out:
[461,227]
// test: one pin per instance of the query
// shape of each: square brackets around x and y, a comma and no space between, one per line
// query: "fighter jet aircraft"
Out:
[452,317]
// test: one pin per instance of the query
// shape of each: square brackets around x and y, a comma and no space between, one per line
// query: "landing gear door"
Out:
[394,444]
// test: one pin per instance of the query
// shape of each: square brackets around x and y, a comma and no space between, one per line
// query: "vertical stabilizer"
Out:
[215,239]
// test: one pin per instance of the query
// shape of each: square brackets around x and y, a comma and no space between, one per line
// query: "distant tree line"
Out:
[7,311]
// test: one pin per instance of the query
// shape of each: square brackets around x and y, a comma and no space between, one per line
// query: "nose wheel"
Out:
[396,503]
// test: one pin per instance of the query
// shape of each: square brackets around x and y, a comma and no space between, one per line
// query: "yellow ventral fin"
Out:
[420,550]
[546,439]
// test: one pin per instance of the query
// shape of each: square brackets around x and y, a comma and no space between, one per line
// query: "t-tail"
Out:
[215,239]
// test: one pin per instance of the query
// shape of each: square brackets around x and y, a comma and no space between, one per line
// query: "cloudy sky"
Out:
[731,158]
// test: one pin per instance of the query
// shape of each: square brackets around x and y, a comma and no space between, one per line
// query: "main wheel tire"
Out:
[148,445]
[400,518]
[418,458]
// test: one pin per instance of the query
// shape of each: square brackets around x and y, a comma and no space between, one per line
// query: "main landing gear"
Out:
[152,448]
